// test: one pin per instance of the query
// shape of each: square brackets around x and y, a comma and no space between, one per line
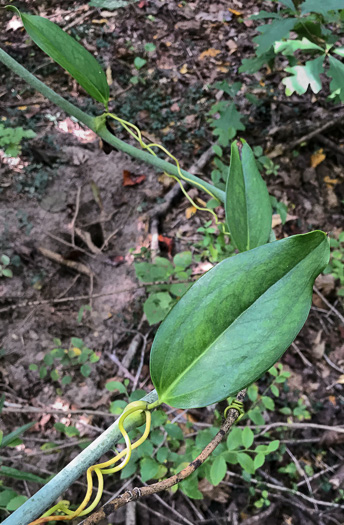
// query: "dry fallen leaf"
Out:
[129,179]
[184,69]
[201,202]
[331,182]
[318,346]
[101,21]
[211,52]
[190,211]
[175,107]
[332,400]
[219,494]
[232,46]
[325,283]
[340,380]
[317,158]
[109,78]
[235,12]
[276,219]
[168,242]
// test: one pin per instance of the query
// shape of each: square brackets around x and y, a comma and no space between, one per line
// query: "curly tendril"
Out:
[102,468]
[129,127]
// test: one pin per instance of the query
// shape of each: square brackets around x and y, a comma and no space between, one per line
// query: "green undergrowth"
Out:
[336,264]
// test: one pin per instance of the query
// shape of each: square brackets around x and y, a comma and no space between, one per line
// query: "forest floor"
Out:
[63,198]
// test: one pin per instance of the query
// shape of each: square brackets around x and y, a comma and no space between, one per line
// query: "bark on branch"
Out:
[137,493]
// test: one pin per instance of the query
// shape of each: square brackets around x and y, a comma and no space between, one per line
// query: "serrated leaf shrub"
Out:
[309,36]
[234,323]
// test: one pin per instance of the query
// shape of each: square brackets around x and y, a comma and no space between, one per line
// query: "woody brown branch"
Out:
[137,492]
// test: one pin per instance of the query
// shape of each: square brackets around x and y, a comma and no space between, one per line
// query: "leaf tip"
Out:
[13,8]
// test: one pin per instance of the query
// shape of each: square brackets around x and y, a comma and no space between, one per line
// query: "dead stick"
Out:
[330,144]
[74,298]
[137,493]
[316,131]
[56,257]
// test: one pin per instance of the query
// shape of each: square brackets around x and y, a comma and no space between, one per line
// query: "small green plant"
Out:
[163,296]
[264,162]
[10,139]
[263,501]
[336,264]
[314,49]
[62,363]
[5,261]
[214,245]
[226,121]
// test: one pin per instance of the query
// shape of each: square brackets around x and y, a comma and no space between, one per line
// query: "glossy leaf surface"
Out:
[69,54]
[248,206]
[236,321]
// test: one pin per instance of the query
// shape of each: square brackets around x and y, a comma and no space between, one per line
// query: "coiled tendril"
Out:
[137,135]
[102,468]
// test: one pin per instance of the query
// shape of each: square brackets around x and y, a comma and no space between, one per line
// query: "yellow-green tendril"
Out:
[128,126]
[101,468]
[239,406]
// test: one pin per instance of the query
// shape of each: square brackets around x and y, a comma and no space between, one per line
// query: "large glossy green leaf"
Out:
[68,53]
[236,321]
[248,205]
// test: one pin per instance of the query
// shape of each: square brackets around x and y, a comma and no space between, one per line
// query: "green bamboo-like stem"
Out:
[34,507]
[102,132]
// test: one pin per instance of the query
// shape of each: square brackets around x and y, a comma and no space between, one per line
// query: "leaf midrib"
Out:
[220,335]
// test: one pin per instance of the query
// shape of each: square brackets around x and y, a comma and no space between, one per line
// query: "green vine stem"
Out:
[101,130]
[48,494]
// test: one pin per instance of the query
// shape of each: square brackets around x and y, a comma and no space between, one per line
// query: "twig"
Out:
[33,410]
[45,452]
[137,493]
[76,213]
[134,345]
[76,278]
[318,474]
[56,257]
[66,243]
[88,297]
[108,239]
[334,310]
[332,364]
[259,518]
[330,144]
[156,513]
[170,509]
[302,473]
[117,362]
[282,488]
[303,358]
[329,124]
[86,237]
[80,19]
[268,426]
